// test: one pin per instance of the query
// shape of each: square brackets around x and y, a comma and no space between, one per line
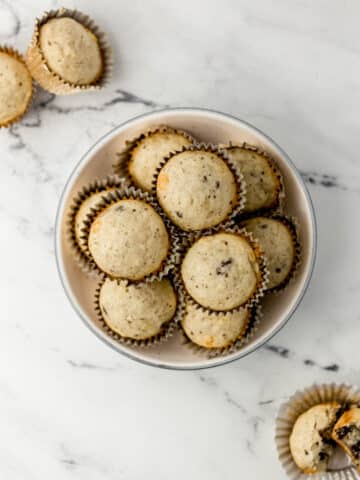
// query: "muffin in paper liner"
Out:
[293,226]
[79,250]
[167,330]
[339,467]
[239,180]
[249,330]
[51,81]
[264,273]
[278,207]
[131,193]
[121,166]
[12,52]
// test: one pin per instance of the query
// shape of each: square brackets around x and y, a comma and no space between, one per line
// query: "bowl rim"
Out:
[59,259]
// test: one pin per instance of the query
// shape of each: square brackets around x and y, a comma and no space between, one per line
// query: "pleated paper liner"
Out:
[121,166]
[293,226]
[249,330]
[167,330]
[277,207]
[340,467]
[264,273]
[17,56]
[51,81]
[129,192]
[239,179]
[78,249]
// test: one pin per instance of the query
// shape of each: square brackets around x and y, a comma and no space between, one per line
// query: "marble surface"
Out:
[71,408]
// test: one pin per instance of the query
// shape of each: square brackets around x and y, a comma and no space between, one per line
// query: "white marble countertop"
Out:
[71,408]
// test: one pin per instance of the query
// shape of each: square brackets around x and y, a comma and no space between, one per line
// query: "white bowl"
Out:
[208,126]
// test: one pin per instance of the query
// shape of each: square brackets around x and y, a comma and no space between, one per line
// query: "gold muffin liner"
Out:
[278,207]
[293,226]
[239,179]
[259,292]
[340,467]
[96,186]
[167,329]
[121,166]
[129,192]
[48,79]
[12,52]
[250,328]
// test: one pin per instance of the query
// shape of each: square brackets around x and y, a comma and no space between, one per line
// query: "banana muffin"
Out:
[196,189]
[311,445]
[143,155]
[214,330]
[128,239]
[15,87]
[71,51]
[137,311]
[277,242]
[221,271]
[347,434]
[262,182]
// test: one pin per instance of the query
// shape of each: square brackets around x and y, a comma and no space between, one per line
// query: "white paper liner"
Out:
[340,467]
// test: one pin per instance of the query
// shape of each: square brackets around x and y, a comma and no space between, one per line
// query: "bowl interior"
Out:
[211,127]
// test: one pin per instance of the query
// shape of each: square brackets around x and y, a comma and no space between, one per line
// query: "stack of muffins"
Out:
[184,236]
[67,54]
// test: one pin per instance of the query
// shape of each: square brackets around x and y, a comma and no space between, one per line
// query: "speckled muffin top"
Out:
[276,241]
[15,88]
[85,209]
[196,189]
[214,330]
[149,152]
[262,183]
[128,239]
[137,311]
[71,51]
[221,271]
[310,440]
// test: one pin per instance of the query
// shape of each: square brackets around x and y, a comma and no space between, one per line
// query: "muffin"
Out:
[68,53]
[310,440]
[221,271]
[15,87]
[143,155]
[276,239]
[214,330]
[347,434]
[137,311]
[263,185]
[197,188]
[128,239]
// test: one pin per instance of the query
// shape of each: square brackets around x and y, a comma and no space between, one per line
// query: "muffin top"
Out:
[196,189]
[276,241]
[214,330]
[137,310]
[128,239]
[149,152]
[262,183]
[220,271]
[15,88]
[71,51]
[309,439]
[85,209]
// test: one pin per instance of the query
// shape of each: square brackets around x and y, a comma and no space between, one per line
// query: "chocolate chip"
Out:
[120,208]
[205,178]
[277,270]
[217,184]
[179,214]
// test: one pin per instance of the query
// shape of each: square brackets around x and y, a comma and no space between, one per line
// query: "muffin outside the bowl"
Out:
[16,87]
